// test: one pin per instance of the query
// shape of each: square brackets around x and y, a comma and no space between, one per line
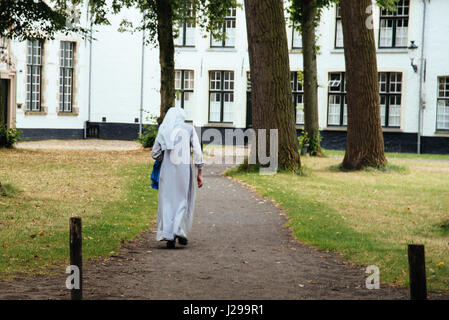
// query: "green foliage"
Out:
[31,19]
[301,77]
[295,9]
[315,143]
[388,4]
[209,15]
[147,138]
[8,137]
[303,139]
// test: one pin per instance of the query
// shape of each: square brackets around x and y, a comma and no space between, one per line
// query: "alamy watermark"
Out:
[73,281]
[373,280]
[235,146]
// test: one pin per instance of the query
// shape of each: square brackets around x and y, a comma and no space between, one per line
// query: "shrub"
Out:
[8,137]
[303,139]
[147,138]
[315,144]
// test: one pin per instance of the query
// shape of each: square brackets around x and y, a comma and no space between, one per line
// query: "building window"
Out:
[443,104]
[390,86]
[228,31]
[337,107]
[184,84]
[298,97]
[296,38]
[338,29]
[34,75]
[393,31]
[221,96]
[186,35]
[66,76]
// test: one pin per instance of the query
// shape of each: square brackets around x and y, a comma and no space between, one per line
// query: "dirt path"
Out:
[238,249]
[87,144]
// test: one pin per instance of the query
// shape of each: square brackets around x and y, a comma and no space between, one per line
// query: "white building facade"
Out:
[66,88]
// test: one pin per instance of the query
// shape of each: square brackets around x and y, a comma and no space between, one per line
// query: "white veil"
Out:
[174,118]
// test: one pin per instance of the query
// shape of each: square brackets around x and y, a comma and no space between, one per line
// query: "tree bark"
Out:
[311,125]
[364,144]
[166,55]
[270,77]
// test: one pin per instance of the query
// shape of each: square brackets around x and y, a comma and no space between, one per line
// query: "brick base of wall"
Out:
[335,140]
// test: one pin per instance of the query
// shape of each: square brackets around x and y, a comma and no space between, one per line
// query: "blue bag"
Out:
[155,175]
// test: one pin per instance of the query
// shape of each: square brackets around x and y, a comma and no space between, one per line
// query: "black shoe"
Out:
[171,244]
[182,240]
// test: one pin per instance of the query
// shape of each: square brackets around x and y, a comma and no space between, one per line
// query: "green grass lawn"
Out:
[43,189]
[369,216]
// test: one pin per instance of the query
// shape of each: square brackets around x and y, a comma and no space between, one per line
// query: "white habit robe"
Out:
[177,181]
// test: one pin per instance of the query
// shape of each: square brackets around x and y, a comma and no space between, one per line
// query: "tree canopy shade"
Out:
[160,21]
[270,80]
[37,19]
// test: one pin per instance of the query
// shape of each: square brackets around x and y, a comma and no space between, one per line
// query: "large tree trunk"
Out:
[166,55]
[311,125]
[270,77]
[364,144]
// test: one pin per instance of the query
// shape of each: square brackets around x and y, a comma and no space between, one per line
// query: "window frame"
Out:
[296,91]
[388,94]
[439,98]
[224,27]
[342,94]
[183,27]
[29,103]
[182,90]
[62,69]
[222,93]
[394,17]
[293,38]
[337,19]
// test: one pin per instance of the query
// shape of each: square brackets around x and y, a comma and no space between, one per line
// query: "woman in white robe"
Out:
[176,180]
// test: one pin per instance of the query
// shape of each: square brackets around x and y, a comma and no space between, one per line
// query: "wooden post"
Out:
[417,271]
[76,258]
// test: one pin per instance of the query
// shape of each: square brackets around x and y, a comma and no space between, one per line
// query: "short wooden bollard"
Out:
[417,270]
[76,258]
